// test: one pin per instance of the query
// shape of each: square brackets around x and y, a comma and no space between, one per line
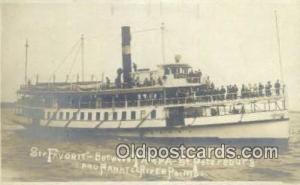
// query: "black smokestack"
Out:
[126,55]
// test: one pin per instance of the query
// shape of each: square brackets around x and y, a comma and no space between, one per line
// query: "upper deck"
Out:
[175,75]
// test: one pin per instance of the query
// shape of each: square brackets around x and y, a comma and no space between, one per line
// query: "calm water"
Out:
[25,157]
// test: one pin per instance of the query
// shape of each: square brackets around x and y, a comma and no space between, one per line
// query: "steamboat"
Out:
[172,101]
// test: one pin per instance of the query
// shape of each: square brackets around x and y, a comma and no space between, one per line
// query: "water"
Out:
[21,162]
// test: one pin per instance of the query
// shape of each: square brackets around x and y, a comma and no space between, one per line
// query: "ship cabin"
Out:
[174,89]
[170,83]
[148,87]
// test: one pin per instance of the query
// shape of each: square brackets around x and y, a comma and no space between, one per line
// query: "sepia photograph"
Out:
[138,91]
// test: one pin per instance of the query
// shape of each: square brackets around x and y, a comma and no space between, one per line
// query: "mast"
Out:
[162,28]
[82,56]
[284,91]
[160,8]
[279,47]
[26,60]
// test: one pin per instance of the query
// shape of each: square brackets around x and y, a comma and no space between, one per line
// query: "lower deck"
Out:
[269,125]
[246,118]
[160,123]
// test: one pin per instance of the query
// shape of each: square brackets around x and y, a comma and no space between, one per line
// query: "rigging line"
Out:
[66,57]
[280,59]
[108,37]
[162,33]
[169,45]
[145,30]
[74,60]
[279,46]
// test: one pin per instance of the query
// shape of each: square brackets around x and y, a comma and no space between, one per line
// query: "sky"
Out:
[234,42]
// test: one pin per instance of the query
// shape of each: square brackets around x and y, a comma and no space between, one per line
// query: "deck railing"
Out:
[273,93]
[208,98]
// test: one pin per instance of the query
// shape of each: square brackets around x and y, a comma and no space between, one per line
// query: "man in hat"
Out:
[277,88]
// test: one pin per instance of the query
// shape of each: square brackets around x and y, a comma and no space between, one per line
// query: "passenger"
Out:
[118,82]
[246,92]
[107,82]
[207,94]
[243,91]
[277,88]
[234,110]
[268,87]
[137,82]
[159,81]
[235,90]
[207,81]
[212,85]
[210,92]
[134,67]
[228,95]
[260,89]
[152,81]
[191,72]
[255,90]
[199,73]
[222,92]
[250,91]
[146,82]
[216,94]
[202,93]
[214,112]
[231,92]
[243,109]
[266,90]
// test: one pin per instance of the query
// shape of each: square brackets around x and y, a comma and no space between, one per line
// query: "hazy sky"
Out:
[230,42]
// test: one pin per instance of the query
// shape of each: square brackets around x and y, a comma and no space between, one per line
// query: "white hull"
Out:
[263,125]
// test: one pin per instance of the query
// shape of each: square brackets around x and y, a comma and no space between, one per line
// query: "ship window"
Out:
[133,115]
[106,116]
[167,71]
[124,115]
[67,115]
[115,115]
[82,116]
[48,115]
[61,114]
[98,116]
[153,114]
[89,116]
[143,114]
[54,115]
[74,117]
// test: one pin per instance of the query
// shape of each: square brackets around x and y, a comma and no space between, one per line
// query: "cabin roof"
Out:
[172,65]
[91,92]
[101,91]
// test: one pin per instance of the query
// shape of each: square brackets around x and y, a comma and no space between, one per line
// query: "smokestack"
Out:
[126,55]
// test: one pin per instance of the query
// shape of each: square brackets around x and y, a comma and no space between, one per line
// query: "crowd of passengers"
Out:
[247,91]
[134,83]
[209,90]
[192,76]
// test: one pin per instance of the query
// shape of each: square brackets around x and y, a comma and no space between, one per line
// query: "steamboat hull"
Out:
[263,129]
